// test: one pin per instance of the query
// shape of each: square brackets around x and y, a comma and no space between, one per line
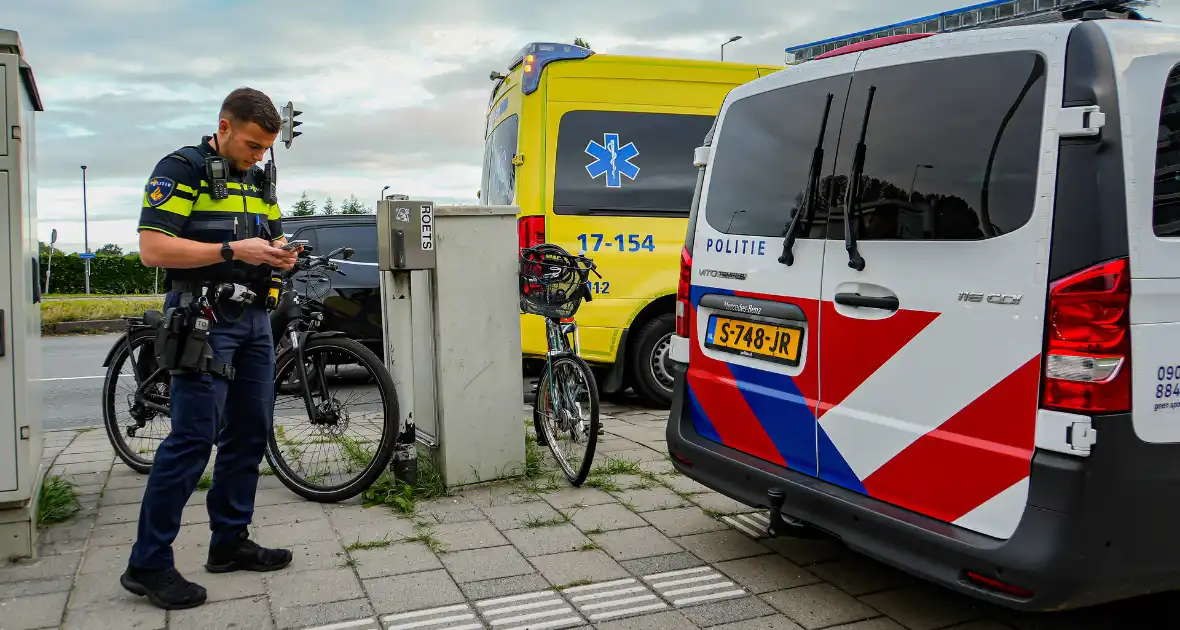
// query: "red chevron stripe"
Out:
[979,452]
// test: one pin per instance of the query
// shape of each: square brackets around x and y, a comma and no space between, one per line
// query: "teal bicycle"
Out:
[553,284]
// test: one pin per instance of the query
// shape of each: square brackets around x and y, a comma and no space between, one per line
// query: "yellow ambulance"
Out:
[597,151]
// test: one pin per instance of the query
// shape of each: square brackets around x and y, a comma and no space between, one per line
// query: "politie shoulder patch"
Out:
[159,189]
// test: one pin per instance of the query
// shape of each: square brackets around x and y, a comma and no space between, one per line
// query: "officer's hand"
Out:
[288,258]
[258,251]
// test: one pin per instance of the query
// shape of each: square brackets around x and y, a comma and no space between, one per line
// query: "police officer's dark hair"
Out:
[249,105]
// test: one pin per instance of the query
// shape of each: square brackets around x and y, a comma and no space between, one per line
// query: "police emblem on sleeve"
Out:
[159,189]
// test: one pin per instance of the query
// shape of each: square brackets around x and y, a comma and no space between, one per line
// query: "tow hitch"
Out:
[785,525]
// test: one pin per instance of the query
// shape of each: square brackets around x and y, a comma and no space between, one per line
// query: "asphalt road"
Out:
[72,379]
[72,373]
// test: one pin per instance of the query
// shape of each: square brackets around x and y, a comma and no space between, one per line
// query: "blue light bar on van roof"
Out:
[980,14]
[538,55]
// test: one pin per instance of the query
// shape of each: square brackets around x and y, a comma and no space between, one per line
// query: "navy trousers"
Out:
[199,402]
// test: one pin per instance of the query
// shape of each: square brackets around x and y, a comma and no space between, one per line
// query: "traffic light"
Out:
[288,113]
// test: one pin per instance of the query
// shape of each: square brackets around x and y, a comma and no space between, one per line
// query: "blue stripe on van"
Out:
[783,413]
[700,420]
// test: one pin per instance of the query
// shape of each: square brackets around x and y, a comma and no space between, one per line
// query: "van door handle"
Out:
[855,299]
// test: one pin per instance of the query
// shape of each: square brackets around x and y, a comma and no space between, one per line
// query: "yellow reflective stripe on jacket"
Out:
[233,203]
[253,196]
[176,204]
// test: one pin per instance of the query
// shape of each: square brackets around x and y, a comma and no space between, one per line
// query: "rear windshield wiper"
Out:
[855,260]
[808,207]
[1168,229]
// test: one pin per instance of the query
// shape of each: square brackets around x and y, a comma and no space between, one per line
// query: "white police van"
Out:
[979,382]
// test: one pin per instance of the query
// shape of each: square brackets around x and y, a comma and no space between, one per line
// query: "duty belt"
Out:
[190,291]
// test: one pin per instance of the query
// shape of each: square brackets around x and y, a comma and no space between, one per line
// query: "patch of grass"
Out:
[617,466]
[534,457]
[58,501]
[711,513]
[401,496]
[644,484]
[350,563]
[425,535]
[549,484]
[606,484]
[687,496]
[429,484]
[395,493]
[595,531]
[360,545]
[590,546]
[60,311]
[536,522]
[205,482]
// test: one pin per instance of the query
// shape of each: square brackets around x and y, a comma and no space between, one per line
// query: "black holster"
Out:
[182,344]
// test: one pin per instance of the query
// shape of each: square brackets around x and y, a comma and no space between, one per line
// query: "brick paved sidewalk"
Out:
[640,547]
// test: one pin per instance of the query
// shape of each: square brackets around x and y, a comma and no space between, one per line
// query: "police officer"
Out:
[206,220]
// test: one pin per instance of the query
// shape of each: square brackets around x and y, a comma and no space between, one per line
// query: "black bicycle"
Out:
[325,446]
[553,284]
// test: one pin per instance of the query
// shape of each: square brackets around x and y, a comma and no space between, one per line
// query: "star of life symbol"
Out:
[612,160]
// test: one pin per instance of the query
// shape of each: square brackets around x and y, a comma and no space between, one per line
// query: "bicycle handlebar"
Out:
[307,262]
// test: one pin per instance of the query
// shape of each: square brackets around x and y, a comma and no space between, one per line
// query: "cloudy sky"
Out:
[393,92]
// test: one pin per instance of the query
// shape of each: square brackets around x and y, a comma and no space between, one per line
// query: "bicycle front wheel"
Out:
[565,415]
[340,448]
[132,383]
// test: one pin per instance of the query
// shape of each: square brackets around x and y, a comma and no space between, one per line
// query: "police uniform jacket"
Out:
[177,202]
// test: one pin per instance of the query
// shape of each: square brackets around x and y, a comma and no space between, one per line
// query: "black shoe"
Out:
[166,589]
[246,555]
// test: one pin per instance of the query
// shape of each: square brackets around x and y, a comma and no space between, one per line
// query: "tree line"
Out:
[307,207]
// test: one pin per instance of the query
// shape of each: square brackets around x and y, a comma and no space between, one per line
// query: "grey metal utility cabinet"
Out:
[451,310]
[21,471]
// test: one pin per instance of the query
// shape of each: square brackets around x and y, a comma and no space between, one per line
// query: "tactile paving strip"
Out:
[573,606]
[693,586]
[617,598]
[456,617]
[753,524]
[359,624]
[542,610]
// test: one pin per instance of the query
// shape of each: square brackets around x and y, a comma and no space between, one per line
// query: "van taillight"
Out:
[1088,341]
[683,311]
[530,231]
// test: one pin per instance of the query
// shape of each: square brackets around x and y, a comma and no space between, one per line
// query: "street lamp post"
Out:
[915,179]
[731,40]
[382,195]
[85,230]
[49,271]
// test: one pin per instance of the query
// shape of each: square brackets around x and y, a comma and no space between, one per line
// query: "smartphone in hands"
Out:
[290,245]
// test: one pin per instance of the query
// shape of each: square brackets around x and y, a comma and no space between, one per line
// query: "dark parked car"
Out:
[353,306]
